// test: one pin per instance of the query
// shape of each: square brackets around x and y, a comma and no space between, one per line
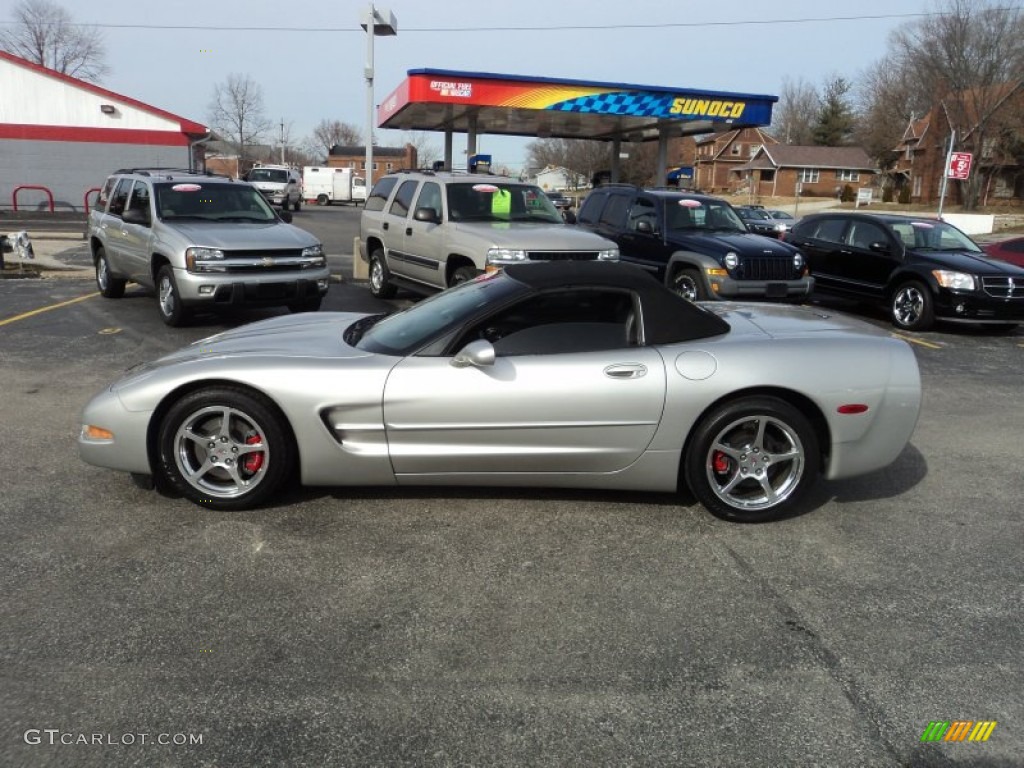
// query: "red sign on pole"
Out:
[959,165]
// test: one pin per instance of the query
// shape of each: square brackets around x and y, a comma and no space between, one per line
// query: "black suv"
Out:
[921,268]
[695,243]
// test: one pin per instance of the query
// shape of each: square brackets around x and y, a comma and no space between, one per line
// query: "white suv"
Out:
[201,242]
[426,231]
[280,184]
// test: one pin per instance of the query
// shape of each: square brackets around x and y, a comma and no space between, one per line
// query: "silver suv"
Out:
[201,241]
[280,184]
[426,230]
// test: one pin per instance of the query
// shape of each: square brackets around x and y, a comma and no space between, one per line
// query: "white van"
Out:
[324,185]
[280,184]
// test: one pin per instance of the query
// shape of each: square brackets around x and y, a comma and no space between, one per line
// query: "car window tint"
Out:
[430,196]
[561,322]
[120,197]
[863,233]
[830,230]
[590,212]
[403,199]
[614,213]
[104,197]
[643,209]
[379,194]
[139,200]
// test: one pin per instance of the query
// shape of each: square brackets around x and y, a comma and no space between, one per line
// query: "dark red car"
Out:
[1011,250]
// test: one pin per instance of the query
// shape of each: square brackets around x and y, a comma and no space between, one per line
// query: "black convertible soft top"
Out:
[668,318]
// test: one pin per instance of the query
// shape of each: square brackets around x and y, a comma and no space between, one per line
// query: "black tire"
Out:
[225,448]
[912,307]
[323,200]
[284,203]
[463,275]
[109,286]
[298,204]
[732,458]
[689,284]
[380,276]
[311,304]
[168,298]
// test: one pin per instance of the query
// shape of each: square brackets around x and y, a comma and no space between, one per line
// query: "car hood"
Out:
[743,243]
[967,261]
[777,320]
[239,235]
[517,234]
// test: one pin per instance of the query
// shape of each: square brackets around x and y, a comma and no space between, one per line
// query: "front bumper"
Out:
[977,307]
[730,288]
[233,289]
[126,450]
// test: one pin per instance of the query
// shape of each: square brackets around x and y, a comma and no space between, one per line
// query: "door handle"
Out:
[384,225]
[408,230]
[626,371]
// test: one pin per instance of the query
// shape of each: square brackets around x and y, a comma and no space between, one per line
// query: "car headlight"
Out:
[203,259]
[731,260]
[505,255]
[958,281]
[612,254]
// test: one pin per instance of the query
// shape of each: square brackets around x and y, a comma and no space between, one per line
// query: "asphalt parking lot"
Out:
[395,627]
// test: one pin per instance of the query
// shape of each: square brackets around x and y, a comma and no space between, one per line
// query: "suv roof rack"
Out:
[159,171]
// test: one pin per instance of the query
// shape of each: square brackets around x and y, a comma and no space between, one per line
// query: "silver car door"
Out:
[576,412]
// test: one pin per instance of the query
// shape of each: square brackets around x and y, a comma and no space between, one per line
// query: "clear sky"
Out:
[308,55]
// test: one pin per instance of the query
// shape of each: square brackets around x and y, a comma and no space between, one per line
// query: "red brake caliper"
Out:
[720,463]
[253,462]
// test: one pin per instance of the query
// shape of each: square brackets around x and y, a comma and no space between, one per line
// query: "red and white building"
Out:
[66,136]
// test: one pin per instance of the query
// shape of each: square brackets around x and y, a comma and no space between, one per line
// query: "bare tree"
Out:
[581,157]
[795,115]
[426,150]
[44,33]
[885,106]
[236,113]
[969,57]
[329,133]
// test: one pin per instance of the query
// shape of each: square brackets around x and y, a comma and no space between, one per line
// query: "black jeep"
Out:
[695,243]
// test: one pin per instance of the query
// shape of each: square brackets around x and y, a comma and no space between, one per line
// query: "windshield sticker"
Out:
[922,225]
[186,187]
[487,188]
[691,203]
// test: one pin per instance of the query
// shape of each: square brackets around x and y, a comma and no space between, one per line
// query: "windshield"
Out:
[711,215]
[211,201]
[409,330]
[268,174]
[935,235]
[497,201]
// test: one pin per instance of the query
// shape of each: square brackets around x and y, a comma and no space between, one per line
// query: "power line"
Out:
[547,28]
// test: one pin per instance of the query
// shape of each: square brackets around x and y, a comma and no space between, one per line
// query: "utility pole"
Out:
[282,141]
[945,172]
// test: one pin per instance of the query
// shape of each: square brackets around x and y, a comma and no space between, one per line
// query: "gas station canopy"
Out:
[440,100]
[486,103]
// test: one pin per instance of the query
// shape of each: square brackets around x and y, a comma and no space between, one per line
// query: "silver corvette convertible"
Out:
[568,374]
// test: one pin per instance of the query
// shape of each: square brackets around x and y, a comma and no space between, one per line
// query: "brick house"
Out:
[776,169]
[385,159]
[997,170]
[718,154]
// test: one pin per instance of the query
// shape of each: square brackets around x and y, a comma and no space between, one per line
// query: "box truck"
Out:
[324,185]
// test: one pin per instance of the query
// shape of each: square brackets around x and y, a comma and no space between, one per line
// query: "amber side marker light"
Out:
[852,408]
[91,432]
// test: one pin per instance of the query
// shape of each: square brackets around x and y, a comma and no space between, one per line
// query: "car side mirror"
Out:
[427,214]
[136,216]
[645,227]
[479,354]
[286,216]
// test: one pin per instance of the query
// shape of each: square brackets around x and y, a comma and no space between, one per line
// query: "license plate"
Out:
[776,291]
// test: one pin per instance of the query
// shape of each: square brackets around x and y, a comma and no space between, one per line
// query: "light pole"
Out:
[375,22]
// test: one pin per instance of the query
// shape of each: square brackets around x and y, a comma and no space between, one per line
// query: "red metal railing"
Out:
[85,198]
[14,194]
